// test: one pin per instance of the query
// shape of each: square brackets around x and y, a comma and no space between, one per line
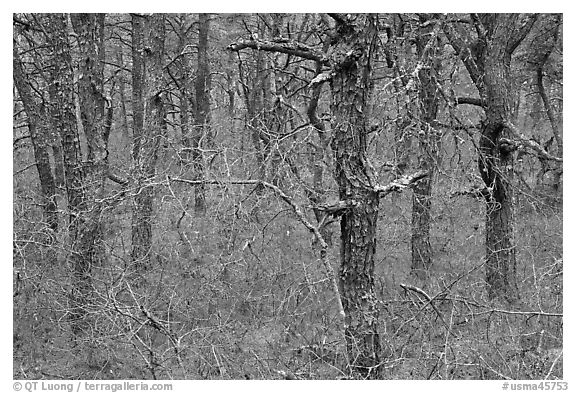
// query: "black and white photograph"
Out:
[287,196]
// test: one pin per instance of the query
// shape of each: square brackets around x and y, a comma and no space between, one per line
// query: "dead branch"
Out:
[401,183]
[281,45]
[529,143]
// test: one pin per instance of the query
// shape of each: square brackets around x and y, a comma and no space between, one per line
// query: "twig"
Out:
[301,216]
[529,142]
[554,364]
[430,301]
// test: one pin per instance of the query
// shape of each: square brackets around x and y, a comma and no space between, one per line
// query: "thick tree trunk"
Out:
[147,144]
[89,29]
[496,168]
[64,115]
[496,161]
[39,142]
[488,63]
[59,177]
[351,89]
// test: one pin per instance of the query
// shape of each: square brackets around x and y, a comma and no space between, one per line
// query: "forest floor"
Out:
[242,296]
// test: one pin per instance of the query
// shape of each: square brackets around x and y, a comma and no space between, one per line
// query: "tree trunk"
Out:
[147,144]
[428,156]
[137,84]
[351,89]
[64,115]
[59,176]
[317,194]
[122,91]
[253,101]
[496,160]
[202,112]
[496,168]
[186,98]
[488,60]
[39,142]
[89,29]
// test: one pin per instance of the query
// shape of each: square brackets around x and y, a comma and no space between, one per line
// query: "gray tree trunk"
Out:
[351,87]
[147,144]
[39,142]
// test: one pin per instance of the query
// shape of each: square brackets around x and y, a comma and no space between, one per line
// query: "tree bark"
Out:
[39,142]
[495,164]
[428,155]
[351,89]
[147,144]
[350,56]
[186,98]
[488,60]
[202,112]
[252,91]
[316,195]
[89,29]
[137,84]
[64,115]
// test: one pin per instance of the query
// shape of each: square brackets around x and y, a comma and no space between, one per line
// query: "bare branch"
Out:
[401,183]
[339,18]
[19,139]
[301,216]
[340,207]
[546,101]
[117,179]
[430,300]
[532,144]
[463,50]
[320,78]
[480,28]
[470,101]
[476,192]
[521,33]
[512,312]
[281,45]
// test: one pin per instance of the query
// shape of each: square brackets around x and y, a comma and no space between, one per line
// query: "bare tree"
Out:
[487,59]
[349,57]
[81,225]
[37,129]
[202,111]
[147,144]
